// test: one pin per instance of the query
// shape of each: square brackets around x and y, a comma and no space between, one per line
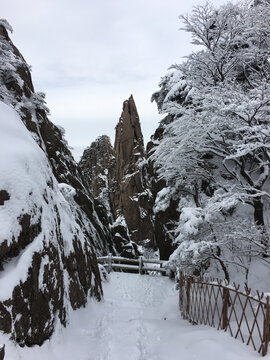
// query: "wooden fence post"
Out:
[188,284]
[140,265]
[225,302]
[2,352]
[266,328]
[109,263]
[181,283]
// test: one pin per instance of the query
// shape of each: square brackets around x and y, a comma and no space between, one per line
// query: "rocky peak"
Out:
[98,164]
[118,177]
[132,198]
[128,144]
[124,170]
[99,154]
[22,69]
[99,170]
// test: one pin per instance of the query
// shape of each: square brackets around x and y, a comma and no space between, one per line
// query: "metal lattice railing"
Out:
[223,306]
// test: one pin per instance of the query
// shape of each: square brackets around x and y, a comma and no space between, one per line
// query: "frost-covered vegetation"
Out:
[214,153]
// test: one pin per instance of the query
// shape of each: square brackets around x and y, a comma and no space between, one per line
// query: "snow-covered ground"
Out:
[138,319]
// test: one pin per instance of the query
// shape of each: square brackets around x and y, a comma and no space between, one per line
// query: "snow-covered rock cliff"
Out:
[50,229]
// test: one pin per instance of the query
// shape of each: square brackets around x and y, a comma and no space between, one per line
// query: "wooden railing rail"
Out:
[218,304]
[117,262]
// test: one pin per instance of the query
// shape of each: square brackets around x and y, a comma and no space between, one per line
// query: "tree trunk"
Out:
[196,195]
[259,220]
[258,212]
[222,264]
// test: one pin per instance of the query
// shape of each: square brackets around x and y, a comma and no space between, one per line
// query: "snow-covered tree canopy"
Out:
[215,153]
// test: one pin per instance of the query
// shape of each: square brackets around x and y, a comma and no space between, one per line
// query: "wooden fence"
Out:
[127,264]
[216,303]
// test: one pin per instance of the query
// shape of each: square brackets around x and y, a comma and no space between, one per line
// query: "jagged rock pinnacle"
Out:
[120,176]
[131,175]
[128,144]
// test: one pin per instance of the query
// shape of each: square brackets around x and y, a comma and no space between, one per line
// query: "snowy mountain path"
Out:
[138,319]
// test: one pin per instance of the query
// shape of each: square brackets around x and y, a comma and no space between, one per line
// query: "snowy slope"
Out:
[45,256]
[137,320]
[24,175]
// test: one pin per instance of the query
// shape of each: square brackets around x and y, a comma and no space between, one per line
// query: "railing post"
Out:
[109,263]
[2,352]
[188,284]
[225,302]
[181,283]
[140,265]
[266,328]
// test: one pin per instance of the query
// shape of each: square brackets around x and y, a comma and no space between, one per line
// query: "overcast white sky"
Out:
[88,56]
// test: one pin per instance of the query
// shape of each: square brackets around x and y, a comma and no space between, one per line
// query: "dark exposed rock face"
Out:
[62,267]
[98,167]
[99,170]
[4,196]
[132,197]
[119,178]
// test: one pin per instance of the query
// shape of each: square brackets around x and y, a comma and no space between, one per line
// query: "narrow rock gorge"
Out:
[123,178]
[118,177]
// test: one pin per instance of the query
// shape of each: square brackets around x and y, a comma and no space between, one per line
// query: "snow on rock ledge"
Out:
[47,263]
